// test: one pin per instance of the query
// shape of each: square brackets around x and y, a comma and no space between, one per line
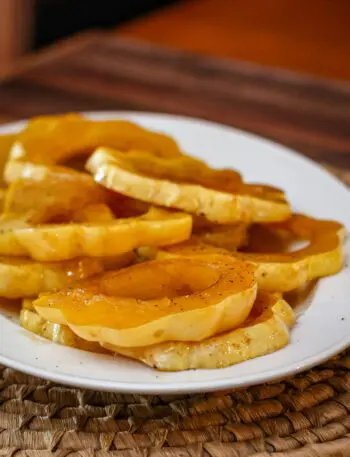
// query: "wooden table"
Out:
[16,23]
[310,36]
[101,72]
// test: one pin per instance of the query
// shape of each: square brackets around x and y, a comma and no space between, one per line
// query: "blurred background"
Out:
[308,36]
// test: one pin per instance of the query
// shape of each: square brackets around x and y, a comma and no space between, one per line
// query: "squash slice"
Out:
[51,199]
[160,300]
[55,139]
[53,242]
[18,169]
[3,193]
[59,334]
[206,234]
[6,142]
[171,182]
[265,331]
[323,256]
[80,184]
[22,277]
[95,213]
[228,236]
[27,303]
[283,271]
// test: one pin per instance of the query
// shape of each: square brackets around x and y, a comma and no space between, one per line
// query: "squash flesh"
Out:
[50,201]
[266,331]
[142,177]
[55,139]
[58,334]
[230,236]
[23,277]
[54,242]
[283,271]
[6,142]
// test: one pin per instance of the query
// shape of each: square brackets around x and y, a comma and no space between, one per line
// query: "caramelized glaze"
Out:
[149,291]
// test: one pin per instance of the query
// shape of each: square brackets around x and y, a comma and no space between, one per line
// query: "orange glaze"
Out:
[187,170]
[266,330]
[149,291]
[188,185]
[57,139]
[10,306]
[323,235]
[283,271]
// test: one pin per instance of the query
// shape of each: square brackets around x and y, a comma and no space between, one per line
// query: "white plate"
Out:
[322,330]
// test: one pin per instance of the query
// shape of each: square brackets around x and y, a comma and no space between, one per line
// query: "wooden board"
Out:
[305,36]
[102,72]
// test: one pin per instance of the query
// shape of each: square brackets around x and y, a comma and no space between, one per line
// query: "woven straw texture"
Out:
[304,416]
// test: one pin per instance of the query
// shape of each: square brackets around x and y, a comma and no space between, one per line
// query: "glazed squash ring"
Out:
[53,242]
[22,277]
[323,256]
[156,180]
[286,270]
[50,140]
[19,169]
[48,181]
[160,300]
[6,142]
[53,140]
[59,334]
[57,192]
[266,331]
[228,236]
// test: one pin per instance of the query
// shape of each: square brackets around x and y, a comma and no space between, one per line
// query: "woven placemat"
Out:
[303,416]
[307,415]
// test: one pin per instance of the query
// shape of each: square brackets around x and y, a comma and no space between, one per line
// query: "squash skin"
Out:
[261,335]
[157,181]
[54,242]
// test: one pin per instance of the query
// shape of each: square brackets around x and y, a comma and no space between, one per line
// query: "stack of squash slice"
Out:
[118,241]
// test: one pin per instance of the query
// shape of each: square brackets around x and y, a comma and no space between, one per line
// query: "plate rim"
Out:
[188,388]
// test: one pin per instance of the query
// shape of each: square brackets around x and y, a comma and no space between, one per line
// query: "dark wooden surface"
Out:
[102,72]
[307,36]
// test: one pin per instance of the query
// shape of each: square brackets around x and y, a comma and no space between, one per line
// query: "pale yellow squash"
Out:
[281,271]
[53,242]
[59,334]
[50,199]
[56,139]
[228,236]
[23,277]
[6,142]
[157,180]
[266,331]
